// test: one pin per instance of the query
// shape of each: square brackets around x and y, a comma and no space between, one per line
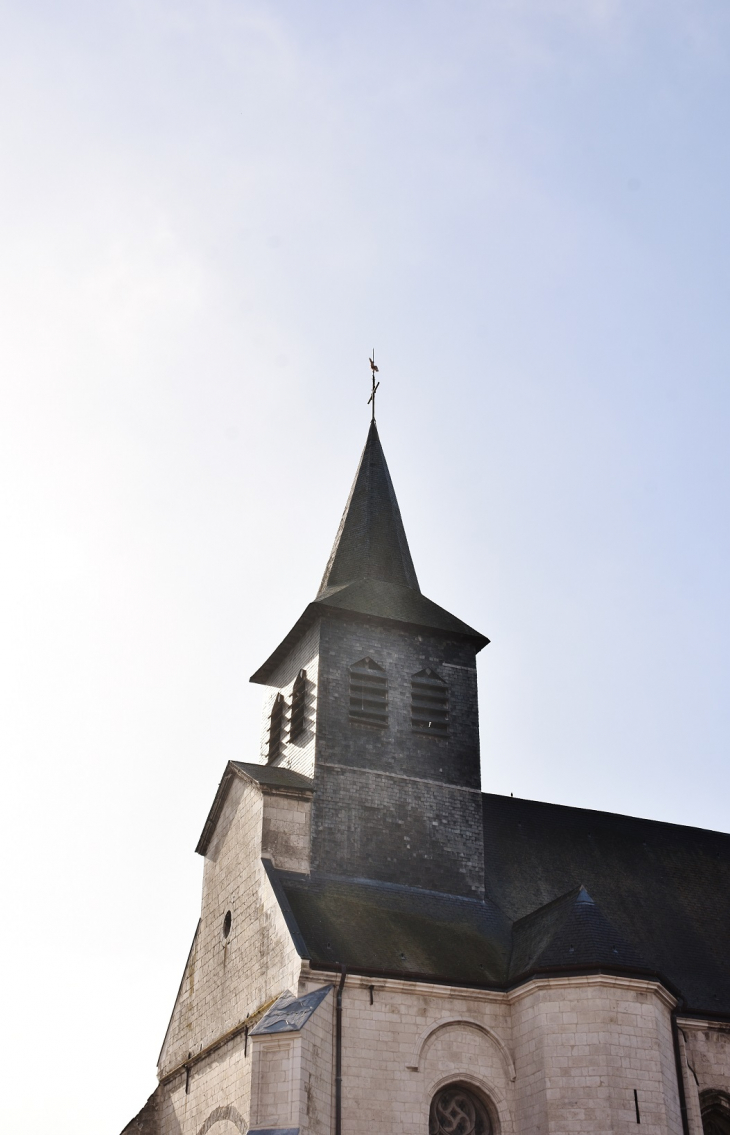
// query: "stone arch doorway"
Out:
[456,1109]
[715,1107]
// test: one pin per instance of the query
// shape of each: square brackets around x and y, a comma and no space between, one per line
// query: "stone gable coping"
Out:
[234,769]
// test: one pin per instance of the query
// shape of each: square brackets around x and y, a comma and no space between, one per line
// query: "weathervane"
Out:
[373,372]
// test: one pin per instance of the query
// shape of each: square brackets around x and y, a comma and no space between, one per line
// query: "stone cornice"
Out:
[702,1024]
[507,997]
[589,980]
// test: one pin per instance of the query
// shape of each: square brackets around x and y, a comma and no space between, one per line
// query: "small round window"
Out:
[227,924]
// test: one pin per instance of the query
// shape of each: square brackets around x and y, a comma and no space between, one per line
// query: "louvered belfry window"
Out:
[429,704]
[276,727]
[368,693]
[298,705]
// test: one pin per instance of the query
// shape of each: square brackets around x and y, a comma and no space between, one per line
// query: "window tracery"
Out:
[715,1107]
[456,1110]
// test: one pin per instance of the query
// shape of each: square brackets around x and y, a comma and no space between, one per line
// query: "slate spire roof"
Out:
[370,571]
[371,540]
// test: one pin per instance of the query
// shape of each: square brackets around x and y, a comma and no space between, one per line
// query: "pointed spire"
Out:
[370,571]
[371,541]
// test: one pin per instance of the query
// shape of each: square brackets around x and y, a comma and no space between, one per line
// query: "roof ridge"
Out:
[573,893]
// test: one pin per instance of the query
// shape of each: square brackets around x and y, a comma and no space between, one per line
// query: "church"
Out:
[385,948]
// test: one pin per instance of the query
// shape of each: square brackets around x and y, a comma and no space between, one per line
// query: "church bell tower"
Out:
[373,698]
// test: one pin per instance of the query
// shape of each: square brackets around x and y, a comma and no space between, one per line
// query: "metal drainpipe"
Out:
[338,1052]
[680,1074]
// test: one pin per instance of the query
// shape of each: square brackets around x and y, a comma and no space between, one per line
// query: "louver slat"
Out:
[298,705]
[368,694]
[429,704]
[276,728]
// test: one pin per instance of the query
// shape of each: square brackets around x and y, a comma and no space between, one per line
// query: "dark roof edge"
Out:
[291,922]
[317,610]
[309,616]
[600,812]
[275,778]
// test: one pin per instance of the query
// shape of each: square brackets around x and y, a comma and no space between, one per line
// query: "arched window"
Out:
[429,704]
[368,693]
[715,1108]
[298,705]
[458,1110]
[276,727]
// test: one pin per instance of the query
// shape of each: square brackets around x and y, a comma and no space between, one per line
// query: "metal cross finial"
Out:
[373,371]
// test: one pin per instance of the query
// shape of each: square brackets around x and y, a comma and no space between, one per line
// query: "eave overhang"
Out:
[320,609]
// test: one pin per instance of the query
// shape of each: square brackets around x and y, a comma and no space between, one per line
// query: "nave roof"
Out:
[568,890]
[665,888]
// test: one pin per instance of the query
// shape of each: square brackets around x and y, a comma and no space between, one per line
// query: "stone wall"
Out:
[583,1045]
[708,1052]
[554,1056]
[706,1058]
[286,829]
[227,980]
[292,1076]
[316,1101]
[413,1038]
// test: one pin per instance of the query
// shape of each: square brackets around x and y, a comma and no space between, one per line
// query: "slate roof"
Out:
[664,888]
[568,890]
[570,933]
[394,601]
[370,572]
[402,931]
[371,540]
[290,1014]
[272,776]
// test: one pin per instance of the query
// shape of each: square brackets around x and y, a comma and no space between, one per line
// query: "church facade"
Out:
[382,947]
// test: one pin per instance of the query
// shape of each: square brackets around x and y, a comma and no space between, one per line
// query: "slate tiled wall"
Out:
[389,803]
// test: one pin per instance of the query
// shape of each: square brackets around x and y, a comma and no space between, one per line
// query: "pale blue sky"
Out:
[209,214]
